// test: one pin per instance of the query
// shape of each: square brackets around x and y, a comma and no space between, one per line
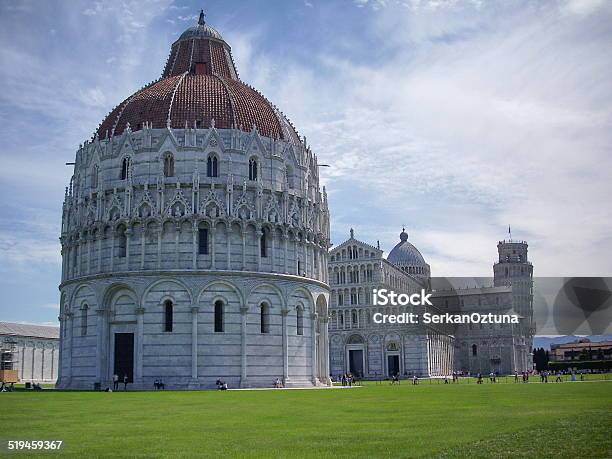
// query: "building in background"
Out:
[360,346]
[369,350]
[32,351]
[581,354]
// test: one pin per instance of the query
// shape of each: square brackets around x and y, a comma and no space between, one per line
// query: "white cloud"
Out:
[473,120]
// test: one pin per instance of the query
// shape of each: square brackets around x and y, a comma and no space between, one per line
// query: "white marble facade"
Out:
[373,351]
[136,236]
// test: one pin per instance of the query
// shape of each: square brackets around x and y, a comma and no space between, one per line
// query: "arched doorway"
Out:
[392,356]
[355,356]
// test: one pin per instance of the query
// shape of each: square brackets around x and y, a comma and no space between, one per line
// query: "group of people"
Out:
[278,384]
[455,377]
[347,379]
[545,374]
[6,387]
[116,381]
[221,385]
[159,384]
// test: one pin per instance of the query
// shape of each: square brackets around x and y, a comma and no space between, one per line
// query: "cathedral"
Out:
[194,237]
[372,350]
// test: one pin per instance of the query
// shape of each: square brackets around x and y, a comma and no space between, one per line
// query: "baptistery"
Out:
[194,237]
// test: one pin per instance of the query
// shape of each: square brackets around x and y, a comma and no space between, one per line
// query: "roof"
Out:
[201,30]
[582,345]
[404,253]
[199,84]
[31,331]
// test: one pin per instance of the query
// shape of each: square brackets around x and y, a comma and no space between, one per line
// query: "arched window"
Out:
[125,167]
[168,315]
[219,323]
[94,176]
[168,165]
[262,245]
[253,169]
[299,317]
[212,166]
[264,318]
[122,244]
[203,241]
[474,350]
[289,177]
[84,320]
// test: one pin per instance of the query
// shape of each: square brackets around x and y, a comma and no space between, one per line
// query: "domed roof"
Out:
[200,30]
[405,254]
[199,87]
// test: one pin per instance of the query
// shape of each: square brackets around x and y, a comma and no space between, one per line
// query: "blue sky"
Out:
[455,118]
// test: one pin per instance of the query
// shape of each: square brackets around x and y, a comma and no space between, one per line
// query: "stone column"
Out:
[228,230]
[139,346]
[128,240]
[273,250]
[194,346]
[212,246]
[112,251]
[258,235]
[34,346]
[324,350]
[89,241]
[61,344]
[100,235]
[177,234]
[69,320]
[243,346]
[244,236]
[52,363]
[143,245]
[194,247]
[100,350]
[42,362]
[285,312]
[313,331]
[159,245]
[285,238]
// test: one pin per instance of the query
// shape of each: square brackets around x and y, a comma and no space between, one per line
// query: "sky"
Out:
[453,118]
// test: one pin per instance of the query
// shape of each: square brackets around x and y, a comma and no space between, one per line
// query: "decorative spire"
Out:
[201,20]
[403,234]
[352,234]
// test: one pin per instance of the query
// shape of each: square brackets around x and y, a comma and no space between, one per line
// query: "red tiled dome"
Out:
[199,84]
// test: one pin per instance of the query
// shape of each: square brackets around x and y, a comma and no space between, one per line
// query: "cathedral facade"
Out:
[370,350]
[194,237]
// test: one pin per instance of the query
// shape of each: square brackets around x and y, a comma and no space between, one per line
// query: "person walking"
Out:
[125,381]
[115,381]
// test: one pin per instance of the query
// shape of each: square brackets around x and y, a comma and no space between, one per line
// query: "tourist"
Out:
[479,380]
[559,379]
[415,380]
[516,376]
[115,382]
[125,381]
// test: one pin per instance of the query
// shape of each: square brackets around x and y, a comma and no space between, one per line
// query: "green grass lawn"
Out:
[465,420]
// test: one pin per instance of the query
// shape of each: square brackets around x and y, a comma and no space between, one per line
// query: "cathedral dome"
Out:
[199,88]
[407,257]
